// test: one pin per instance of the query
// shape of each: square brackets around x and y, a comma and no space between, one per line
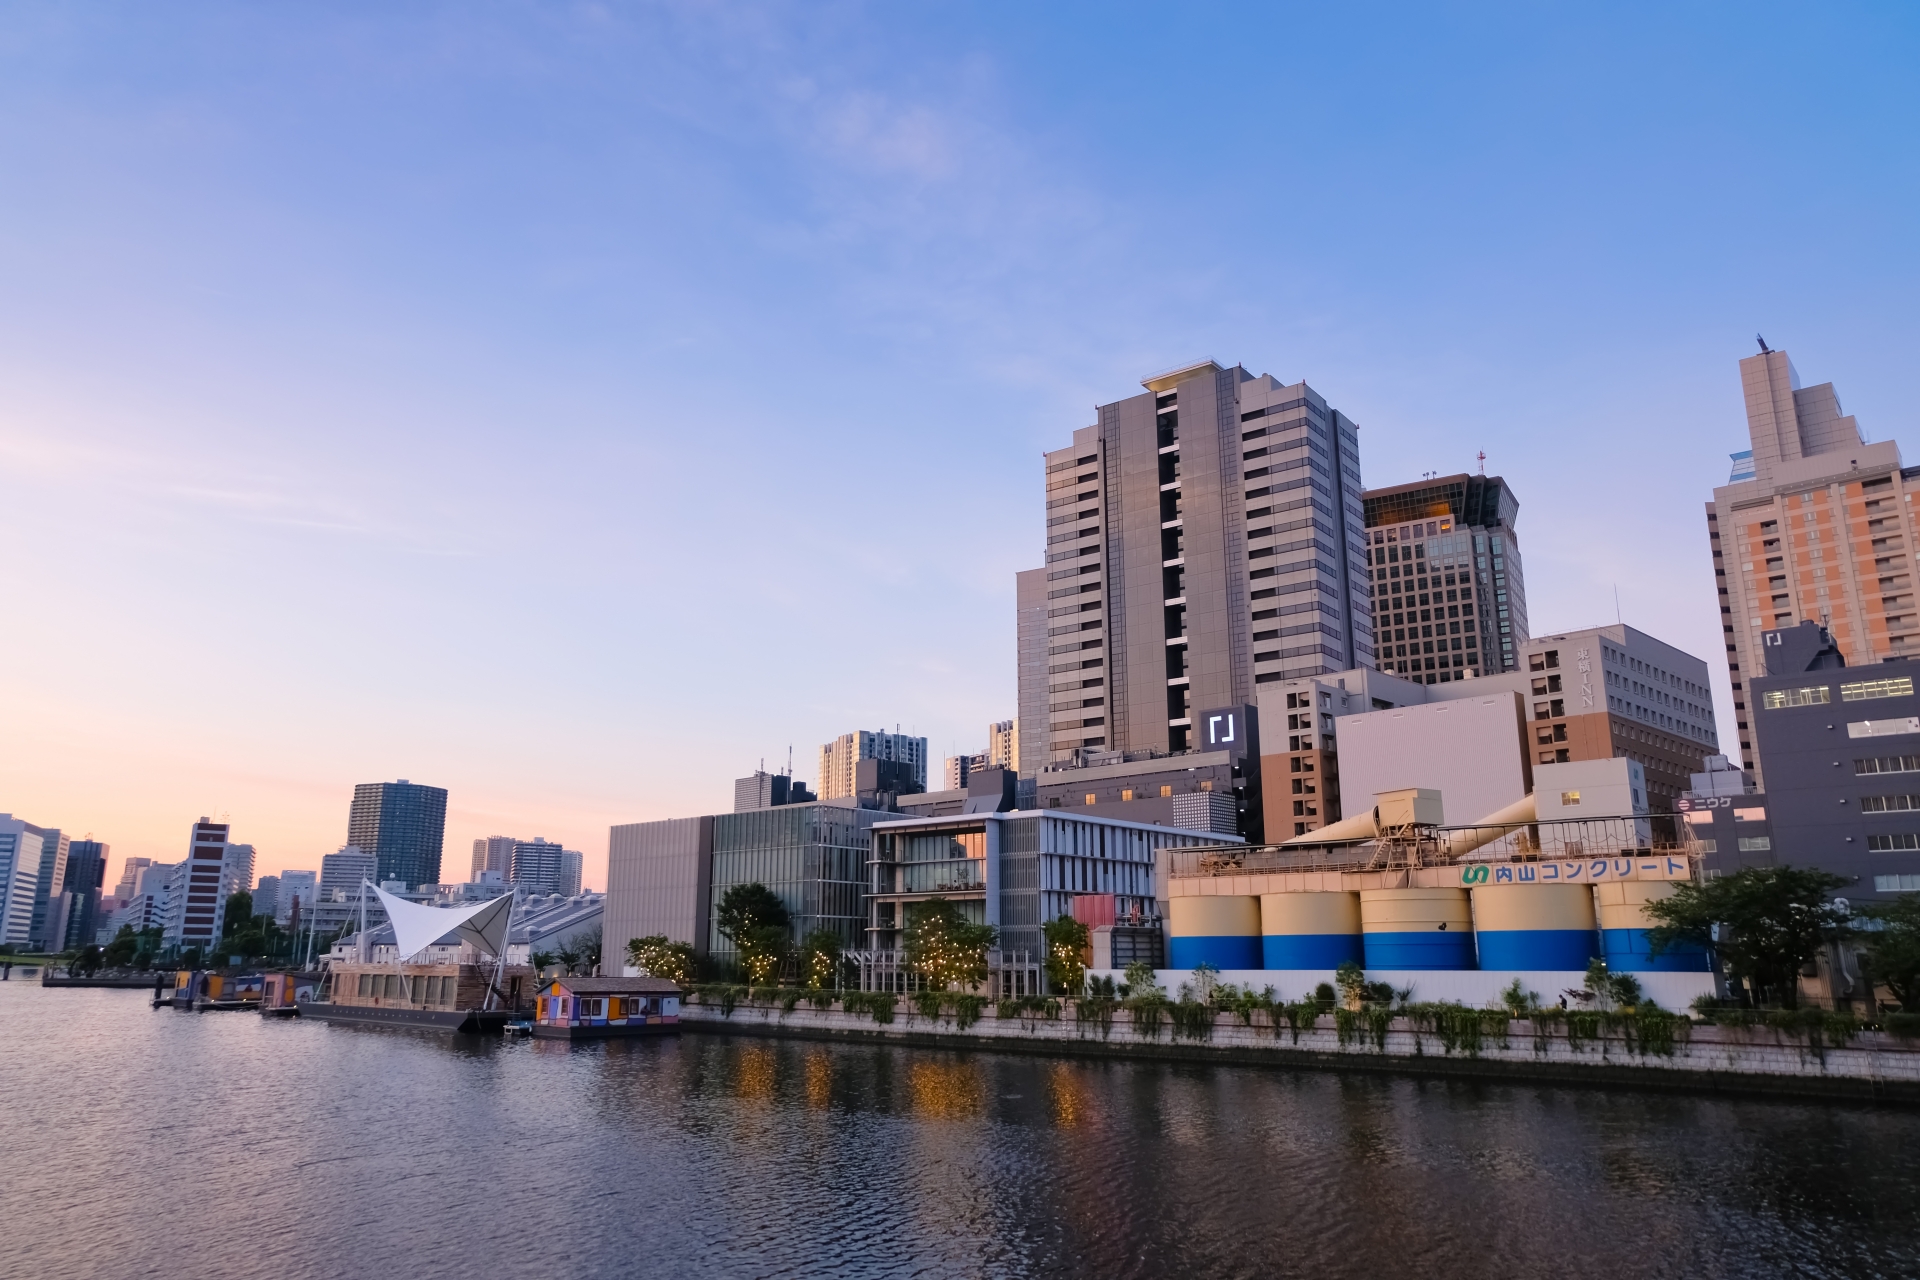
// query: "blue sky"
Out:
[571,405]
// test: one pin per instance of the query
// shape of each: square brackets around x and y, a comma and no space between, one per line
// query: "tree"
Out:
[239,914]
[85,963]
[945,946]
[820,957]
[761,949]
[1893,949]
[1068,942]
[746,907]
[122,948]
[1772,920]
[541,959]
[659,958]
[568,953]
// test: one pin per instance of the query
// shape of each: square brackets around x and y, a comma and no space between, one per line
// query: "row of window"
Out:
[1820,695]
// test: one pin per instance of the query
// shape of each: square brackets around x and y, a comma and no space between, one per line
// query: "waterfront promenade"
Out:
[1813,1058]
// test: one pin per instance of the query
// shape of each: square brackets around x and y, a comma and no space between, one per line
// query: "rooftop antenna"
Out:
[1483,462]
[1765,350]
[1616,604]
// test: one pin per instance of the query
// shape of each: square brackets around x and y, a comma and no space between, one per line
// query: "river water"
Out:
[140,1142]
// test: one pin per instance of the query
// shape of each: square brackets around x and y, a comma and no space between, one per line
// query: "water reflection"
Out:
[361,1151]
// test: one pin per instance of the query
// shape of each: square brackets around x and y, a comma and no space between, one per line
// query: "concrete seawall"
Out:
[1870,1066]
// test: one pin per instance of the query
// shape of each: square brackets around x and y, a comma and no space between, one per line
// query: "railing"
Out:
[1010,974]
[1429,846]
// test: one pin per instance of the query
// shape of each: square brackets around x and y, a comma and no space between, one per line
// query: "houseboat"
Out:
[605,1008]
[281,993]
[435,977]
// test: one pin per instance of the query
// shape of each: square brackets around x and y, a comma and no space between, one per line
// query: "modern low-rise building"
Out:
[1214,787]
[1839,746]
[1586,695]
[1015,870]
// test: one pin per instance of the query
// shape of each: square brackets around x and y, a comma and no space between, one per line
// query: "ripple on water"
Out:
[156,1143]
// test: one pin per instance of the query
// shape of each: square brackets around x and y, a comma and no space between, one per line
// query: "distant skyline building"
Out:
[51,873]
[197,910]
[84,886]
[537,865]
[1814,524]
[1204,538]
[403,825]
[763,790]
[572,865]
[1003,745]
[266,896]
[1449,596]
[19,877]
[838,759]
[492,853]
[295,886]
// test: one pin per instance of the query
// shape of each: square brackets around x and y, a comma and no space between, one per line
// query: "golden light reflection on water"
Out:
[948,1090]
[1072,1105]
[755,1079]
[819,1080]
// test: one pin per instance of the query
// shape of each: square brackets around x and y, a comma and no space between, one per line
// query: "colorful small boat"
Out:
[606,1008]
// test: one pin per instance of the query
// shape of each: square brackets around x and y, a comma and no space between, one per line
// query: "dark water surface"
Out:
[136,1142]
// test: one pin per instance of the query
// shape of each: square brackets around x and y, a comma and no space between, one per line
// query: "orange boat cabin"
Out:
[596,1008]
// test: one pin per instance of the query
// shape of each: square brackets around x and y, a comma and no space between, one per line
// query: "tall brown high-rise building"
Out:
[1204,538]
[1814,524]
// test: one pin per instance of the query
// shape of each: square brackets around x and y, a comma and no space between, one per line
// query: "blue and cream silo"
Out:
[1310,930]
[1623,931]
[1221,931]
[1416,928]
[1546,927]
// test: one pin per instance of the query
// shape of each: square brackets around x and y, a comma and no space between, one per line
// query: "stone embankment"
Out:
[1809,1059]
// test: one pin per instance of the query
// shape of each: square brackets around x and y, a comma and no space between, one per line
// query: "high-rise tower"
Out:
[1203,538]
[402,824]
[1813,524]
[1449,598]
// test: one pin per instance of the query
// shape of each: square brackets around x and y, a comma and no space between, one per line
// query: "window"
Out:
[1888,804]
[1708,846]
[1126,793]
[1896,884]
[1899,840]
[1888,764]
[1090,797]
[1207,785]
[1861,691]
[1755,844]
[1166,791]
[1569,798]
[1774,699]
[1749,815]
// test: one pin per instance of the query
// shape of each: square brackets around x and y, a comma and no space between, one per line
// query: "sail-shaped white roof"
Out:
[417,927]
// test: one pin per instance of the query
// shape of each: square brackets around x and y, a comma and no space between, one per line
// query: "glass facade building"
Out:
[813,856]
[1014,871]
[403,825]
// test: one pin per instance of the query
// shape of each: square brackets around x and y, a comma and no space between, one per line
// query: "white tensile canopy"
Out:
[417,927]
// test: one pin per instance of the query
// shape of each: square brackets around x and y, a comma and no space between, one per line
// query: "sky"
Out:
[574,405]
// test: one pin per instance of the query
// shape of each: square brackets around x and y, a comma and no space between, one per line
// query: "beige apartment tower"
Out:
[1813,524]
[1204,539]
